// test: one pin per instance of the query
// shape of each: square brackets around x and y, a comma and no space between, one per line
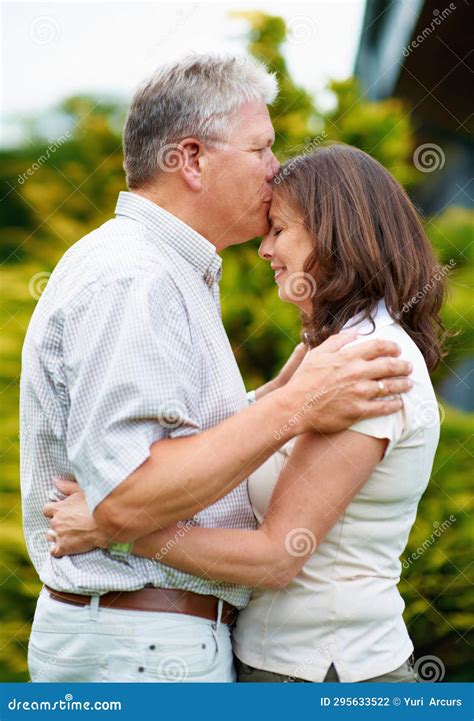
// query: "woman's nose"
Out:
[266,248]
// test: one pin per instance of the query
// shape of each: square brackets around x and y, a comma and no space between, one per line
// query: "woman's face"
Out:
[287,246]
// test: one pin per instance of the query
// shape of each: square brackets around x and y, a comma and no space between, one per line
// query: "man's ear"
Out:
[191,162]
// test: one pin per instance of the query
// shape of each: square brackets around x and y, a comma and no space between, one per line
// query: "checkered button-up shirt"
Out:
[126,346]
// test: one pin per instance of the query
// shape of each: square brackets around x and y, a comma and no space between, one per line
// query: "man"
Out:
[129,385]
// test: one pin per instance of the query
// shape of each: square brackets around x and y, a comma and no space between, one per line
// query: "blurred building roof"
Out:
[421,51]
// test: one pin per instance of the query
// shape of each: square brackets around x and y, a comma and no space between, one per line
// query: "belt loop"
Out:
[220,606]
[94,608]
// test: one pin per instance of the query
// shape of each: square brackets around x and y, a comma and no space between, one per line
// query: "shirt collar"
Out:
[381,318]
[191,245]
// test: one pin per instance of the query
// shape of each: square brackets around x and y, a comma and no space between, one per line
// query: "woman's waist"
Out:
[333,563]
[364,615]
[327,601]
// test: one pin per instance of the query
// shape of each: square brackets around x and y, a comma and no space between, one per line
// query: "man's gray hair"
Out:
[189,98]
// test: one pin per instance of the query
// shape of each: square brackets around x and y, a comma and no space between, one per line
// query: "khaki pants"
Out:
[248,674]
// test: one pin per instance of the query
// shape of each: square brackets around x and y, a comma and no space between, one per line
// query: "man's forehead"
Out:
[254,122]
[261,133]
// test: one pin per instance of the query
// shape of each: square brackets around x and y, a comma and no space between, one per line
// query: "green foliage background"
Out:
[76,190]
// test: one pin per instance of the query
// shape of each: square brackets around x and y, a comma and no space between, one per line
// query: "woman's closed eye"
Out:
[276,231]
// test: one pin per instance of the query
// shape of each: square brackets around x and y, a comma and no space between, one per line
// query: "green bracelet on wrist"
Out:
[120,550]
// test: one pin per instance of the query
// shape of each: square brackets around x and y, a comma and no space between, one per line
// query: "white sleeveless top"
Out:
[344,606]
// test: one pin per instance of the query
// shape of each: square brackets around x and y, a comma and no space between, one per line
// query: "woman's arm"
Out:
[319,480]
[321,477]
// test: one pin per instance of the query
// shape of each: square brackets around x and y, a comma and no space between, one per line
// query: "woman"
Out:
[347,247]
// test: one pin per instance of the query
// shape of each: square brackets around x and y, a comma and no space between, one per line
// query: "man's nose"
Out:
[273,168]
[266,248]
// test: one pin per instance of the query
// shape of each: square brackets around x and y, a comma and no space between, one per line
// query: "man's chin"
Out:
[255,230]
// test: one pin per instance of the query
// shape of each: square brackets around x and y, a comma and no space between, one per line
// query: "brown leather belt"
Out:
[164,600]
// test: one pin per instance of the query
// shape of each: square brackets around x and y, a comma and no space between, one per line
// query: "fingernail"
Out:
[410,367]
[410,383]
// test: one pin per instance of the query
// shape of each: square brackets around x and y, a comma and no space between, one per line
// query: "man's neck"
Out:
[185,210]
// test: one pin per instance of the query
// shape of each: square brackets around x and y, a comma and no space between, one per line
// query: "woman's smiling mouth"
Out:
[279,269]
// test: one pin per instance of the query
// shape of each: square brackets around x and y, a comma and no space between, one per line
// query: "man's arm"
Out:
[314,488]
[332,388]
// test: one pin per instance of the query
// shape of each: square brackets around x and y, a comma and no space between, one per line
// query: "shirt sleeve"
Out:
[132,379]
[391,427]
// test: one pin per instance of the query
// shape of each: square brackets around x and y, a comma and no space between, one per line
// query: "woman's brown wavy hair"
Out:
[368,244]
